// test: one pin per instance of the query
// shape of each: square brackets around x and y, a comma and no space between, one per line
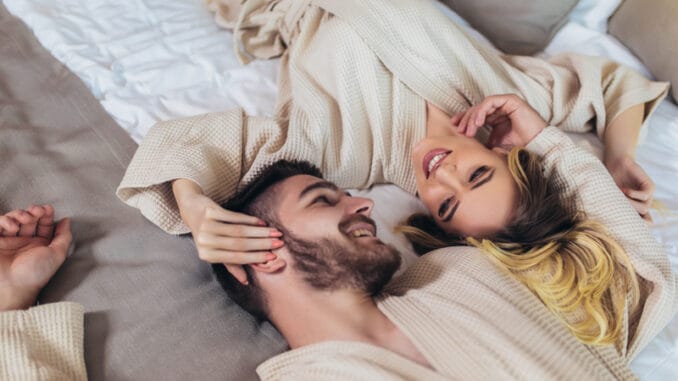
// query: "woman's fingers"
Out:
[456,118]
[238,273]
[234,257]
[219,214]
[211,241]
[642,208]
[641,195]
[243,231]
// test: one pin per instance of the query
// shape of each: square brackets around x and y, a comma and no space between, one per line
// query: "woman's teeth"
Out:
[435,160]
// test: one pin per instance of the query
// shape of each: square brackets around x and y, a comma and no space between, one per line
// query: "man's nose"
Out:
[360,205]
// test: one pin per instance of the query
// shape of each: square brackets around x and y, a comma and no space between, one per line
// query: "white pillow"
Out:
[594,14]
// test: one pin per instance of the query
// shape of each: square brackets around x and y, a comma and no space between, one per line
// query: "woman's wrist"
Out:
[614,154]
[185,191]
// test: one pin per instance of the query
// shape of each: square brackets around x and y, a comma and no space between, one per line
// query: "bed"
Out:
[153,311]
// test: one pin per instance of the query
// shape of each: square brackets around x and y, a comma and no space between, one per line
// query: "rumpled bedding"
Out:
[151,60]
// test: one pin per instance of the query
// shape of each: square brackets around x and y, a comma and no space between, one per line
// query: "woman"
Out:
[362,83]
[532,227]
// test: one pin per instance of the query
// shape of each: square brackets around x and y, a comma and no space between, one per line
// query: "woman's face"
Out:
[467,187]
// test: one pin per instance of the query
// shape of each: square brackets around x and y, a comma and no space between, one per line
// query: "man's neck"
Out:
[306,319]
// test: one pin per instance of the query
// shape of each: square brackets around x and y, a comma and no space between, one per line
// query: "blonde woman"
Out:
[362,84]
[539,233]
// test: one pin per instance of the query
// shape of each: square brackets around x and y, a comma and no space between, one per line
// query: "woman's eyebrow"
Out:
[483,181]
[318,185]
[451,214]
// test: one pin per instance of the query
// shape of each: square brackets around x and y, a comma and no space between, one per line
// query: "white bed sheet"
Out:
[152,60]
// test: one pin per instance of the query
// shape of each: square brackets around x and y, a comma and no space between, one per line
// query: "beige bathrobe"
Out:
[355,77]
[468,319]
[473,322]
[354,80]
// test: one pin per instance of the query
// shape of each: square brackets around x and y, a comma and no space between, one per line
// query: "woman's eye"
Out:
[477,173]
[443,207]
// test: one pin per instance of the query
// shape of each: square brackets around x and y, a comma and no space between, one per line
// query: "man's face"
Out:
[331,237]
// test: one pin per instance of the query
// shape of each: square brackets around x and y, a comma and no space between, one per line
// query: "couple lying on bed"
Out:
[368,93]
[380,91]
[453,314]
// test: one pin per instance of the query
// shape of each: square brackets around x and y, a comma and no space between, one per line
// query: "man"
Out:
[449,316]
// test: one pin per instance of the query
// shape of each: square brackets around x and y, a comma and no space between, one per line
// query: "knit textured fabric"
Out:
[471,321]
[43,343]
[355,77]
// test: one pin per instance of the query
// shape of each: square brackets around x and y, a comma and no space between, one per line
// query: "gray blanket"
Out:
[153,309]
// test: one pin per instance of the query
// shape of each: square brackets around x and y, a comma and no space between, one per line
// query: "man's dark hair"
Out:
[255,199]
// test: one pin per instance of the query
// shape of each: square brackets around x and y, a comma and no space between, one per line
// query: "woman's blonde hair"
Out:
[571,263]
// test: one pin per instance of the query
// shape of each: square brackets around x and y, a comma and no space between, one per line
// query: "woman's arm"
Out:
[620,139]
[599,197]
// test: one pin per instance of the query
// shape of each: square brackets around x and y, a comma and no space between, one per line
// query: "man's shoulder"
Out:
[341,360]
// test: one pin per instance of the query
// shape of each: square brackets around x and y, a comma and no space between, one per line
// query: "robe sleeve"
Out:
[214,150]
[44,342]
[599,197]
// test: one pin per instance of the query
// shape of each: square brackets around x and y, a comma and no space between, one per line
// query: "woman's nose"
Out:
[448,176]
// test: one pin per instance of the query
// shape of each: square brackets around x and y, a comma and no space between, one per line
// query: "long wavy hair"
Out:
[570,262]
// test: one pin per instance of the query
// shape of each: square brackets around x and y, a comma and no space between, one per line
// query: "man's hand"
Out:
[513,121]
[31,251]
[223,236]
[634,182]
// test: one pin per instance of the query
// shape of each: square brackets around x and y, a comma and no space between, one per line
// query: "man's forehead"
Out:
[295,187]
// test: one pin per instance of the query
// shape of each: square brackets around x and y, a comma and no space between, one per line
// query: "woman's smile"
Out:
[433,159]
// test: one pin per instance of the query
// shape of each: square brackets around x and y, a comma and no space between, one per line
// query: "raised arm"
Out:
[599,197]
[184,170]
[515,123]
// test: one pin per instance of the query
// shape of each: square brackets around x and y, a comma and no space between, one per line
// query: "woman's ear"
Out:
[271,266]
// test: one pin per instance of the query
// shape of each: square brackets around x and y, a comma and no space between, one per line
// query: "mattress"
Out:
[152,60]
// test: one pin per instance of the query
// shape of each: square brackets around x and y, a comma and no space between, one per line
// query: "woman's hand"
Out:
[513,121]
[621,139]
[31,252]
[634,182]
[223,236]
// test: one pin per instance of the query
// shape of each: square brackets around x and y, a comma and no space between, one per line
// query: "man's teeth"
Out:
[361,233]
[435,160]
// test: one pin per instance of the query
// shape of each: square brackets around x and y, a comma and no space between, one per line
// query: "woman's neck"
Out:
[437,121]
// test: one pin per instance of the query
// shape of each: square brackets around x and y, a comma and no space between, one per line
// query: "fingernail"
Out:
[277,243]
[275,233]
[271,257]
[262,223]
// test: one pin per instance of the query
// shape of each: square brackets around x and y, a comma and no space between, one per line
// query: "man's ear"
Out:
[271,266]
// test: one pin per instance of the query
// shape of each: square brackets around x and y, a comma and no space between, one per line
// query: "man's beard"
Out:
[342,264]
